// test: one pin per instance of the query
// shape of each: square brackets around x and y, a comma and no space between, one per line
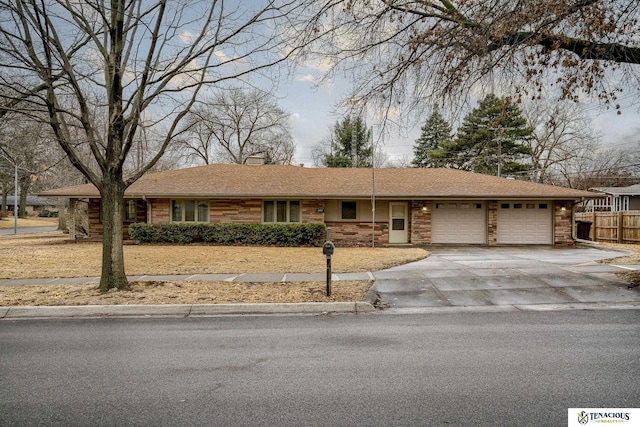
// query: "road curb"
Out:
[633,305]
[181,310]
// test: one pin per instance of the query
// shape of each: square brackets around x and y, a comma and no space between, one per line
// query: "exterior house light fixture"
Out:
[425,208]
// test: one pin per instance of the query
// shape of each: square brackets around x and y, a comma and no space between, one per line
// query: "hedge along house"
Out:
[360,206]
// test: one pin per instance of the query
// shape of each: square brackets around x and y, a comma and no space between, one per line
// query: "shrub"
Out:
[47,214]
[230,234]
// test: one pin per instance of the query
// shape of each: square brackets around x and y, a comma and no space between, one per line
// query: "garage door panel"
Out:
[524,223]
[458,222]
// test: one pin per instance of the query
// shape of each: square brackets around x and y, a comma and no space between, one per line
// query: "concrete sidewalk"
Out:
[241,278]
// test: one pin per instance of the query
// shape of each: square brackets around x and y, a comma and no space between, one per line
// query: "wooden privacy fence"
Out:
[615,227]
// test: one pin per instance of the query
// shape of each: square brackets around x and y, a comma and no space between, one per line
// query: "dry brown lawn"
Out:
[631,277]
[28,222]
[184,292]
[53,255]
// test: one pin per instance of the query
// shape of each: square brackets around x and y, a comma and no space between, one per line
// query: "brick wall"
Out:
[562,224]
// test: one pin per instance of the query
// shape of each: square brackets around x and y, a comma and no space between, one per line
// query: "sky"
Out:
[313,112]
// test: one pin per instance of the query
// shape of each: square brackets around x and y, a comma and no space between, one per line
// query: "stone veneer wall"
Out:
[562,223]
[313,211]
[492,222]
[160,211]
[238,211]
[357,233]
[420,222]
[96,228]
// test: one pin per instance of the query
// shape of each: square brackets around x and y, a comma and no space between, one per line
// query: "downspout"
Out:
[573,221]
[144,198]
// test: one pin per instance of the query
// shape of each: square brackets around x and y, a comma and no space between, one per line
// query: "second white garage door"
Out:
[524,223]
[458,222]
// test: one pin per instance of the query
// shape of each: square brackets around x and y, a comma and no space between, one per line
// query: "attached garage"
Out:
[459,222]
[525,222]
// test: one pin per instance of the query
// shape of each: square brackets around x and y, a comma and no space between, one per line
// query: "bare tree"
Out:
[598,166]
[103,70]
[26,144]
[235,124]
[560,129]
[411,50]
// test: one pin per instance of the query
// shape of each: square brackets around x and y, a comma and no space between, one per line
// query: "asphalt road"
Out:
[515,368]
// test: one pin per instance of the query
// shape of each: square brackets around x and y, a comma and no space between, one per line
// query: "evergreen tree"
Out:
[492,138]
[350,145]
[435,133]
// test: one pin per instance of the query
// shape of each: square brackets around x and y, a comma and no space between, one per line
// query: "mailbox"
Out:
[328,248]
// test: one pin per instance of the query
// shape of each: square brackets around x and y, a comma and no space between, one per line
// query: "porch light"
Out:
[425,208]
[564,208]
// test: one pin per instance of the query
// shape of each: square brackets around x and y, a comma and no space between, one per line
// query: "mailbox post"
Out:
[327,250]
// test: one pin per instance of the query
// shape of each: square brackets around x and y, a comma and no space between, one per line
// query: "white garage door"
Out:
[458,222]
[525,223]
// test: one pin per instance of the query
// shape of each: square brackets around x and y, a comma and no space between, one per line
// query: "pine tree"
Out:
[435,133]
[344,154]
[491,140]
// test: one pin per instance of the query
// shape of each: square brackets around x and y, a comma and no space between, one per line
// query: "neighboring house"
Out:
[401,206]
[34,204]
[619,199]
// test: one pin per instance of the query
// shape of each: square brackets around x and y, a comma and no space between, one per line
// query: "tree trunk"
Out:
[112,210]
[5,194]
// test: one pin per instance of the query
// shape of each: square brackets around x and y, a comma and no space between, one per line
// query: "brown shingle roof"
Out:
[267,181]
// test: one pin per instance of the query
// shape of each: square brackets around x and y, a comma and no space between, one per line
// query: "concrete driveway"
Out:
[506,276]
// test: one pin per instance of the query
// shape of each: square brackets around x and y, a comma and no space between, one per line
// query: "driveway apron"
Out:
[502,276]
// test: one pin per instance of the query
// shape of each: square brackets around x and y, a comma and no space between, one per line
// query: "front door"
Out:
[398,222]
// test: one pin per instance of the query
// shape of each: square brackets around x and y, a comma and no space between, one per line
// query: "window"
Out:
[504,205]
[543,206]
[189,211]
[130,210]
[517,206]
[349,210]
[531,205]
[281,211]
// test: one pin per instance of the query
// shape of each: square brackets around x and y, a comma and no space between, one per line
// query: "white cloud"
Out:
[306,78]
[222,57]
[186,37]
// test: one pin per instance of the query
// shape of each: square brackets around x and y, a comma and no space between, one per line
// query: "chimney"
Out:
[255,160]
